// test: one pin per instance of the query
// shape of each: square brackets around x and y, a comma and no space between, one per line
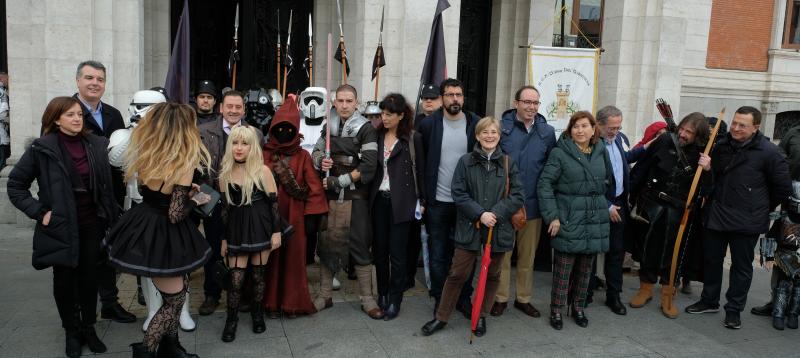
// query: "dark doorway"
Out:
[785,121]
[212,40]
[473,52]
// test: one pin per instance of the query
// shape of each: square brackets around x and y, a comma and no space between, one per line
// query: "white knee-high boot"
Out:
[153,299]
[187,323]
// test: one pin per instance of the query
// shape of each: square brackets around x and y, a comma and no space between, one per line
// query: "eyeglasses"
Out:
[453,95]
[529,103]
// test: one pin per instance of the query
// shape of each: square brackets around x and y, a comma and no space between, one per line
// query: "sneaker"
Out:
[702,307]
[732,320]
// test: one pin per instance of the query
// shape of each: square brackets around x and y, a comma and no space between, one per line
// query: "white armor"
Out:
[312,106]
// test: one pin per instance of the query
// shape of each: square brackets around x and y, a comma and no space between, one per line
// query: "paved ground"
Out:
[29,326]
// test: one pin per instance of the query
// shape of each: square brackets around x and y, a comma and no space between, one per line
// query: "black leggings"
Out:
[75,288]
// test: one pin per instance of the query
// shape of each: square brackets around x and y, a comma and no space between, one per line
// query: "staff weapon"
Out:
[341,44]
[278,54]
[379,61]
[234,58]
[310,59]
[687,210]
[328,84]
[288,63]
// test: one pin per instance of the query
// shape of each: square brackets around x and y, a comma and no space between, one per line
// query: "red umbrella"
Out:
[481,290]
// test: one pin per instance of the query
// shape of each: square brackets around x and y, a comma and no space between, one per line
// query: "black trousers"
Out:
[311,223]
[214,230]
[75,288]
[715,245]
[413,249]
[615,256]
[389,247]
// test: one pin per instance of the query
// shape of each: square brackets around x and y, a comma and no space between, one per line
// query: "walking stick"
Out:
[687,210]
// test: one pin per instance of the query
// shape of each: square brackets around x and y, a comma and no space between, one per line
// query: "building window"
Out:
[791,32]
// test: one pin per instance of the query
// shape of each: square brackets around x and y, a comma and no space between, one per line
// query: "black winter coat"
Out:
[748,182]
[401,178]
[57,244]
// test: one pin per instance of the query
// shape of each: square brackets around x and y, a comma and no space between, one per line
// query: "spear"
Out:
[278,54]
[234,58]
[379,60]
[288,63]
[310,59]
[341,51]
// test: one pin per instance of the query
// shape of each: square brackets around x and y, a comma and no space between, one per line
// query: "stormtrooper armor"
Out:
[312,106]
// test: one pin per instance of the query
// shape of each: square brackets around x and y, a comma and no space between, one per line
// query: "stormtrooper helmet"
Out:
[141,102]
[312,102]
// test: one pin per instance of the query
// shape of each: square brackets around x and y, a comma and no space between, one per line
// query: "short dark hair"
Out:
[523,88]
[578,116]
[699,123]
[752,111]
[233,93]
[397,104]
[53,112]
[91,63]
[450,82]
[347,88]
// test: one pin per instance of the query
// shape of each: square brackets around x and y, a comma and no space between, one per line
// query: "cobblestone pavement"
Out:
[29,325]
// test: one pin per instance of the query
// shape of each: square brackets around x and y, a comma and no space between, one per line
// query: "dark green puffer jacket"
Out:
[572,188]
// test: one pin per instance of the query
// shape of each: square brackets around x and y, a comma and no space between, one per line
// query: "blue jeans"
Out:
[440,221]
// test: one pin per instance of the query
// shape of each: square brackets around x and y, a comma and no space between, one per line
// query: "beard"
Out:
[453,109]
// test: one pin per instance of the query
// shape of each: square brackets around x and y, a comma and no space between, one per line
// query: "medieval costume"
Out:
[353,146]
[660,183]
[300,193]
[784,251]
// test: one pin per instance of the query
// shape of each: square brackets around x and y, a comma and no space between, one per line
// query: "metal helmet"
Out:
[276,98]
[371,109]
[312,102]
[141,103]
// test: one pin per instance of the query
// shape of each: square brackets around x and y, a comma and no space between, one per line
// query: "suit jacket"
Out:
[628,157]
[112,119]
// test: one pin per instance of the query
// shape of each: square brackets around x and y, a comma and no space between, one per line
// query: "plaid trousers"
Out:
[570,272]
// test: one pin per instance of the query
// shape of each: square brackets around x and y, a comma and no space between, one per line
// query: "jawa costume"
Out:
[300,193]
[353,146]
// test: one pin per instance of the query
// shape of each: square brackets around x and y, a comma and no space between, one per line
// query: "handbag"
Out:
[206,209]
[520,217]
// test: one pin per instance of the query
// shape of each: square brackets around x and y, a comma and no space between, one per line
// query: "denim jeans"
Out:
[440,221]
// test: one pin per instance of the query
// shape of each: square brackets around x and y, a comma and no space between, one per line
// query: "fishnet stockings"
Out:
[260,284]
[165,322]
[235,293]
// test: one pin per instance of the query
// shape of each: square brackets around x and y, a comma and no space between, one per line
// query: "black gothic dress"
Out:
[250,227]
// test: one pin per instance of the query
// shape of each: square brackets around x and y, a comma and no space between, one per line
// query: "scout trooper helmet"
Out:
[312,102]
[141,102]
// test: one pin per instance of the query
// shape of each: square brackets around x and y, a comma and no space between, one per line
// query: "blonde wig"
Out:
[253,166]
[166,145]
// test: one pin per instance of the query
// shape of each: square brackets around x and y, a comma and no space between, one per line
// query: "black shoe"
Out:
[171,347]
[580,318]
[480,329]
[391,312]
[258,318]
[465,308]
[616,306]
[791,321]
[89,336]
[140,351]
[383,302]
[702,307]
[432,326]
[229,332]
[765,310]
[732,320]
[140,297]
[209,306]
[117,314]
[556,321]
[73,344]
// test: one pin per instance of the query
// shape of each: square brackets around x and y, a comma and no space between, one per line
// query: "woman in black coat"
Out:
[74,208]
[396,199]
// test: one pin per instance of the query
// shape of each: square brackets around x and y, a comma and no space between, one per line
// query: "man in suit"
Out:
[103,119]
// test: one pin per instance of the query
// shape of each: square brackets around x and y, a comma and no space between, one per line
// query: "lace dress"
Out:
[155,238]
[250,227]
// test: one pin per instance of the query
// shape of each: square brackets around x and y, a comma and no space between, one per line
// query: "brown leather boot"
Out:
[644,295]
[324,299]
[368,303]
[667,306]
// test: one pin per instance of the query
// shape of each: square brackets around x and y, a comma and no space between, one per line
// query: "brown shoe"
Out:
[375,313]
[498,308]
[527,308]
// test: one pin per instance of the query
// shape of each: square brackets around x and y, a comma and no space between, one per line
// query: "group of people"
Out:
[354,192]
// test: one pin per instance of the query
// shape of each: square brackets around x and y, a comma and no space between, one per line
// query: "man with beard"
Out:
[447,135]
[660,182]
[205,100]
[350,169]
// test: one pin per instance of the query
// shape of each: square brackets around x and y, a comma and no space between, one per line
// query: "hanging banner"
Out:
[566,79]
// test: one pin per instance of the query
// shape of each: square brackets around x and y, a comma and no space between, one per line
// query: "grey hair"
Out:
[91,63]
[607,112]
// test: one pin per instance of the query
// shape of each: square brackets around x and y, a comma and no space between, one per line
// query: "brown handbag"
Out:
[520,218]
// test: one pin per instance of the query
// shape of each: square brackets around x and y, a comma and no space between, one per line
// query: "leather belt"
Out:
[343,159]
[385,194]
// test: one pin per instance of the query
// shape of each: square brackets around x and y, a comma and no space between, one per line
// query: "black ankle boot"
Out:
[780,299]
[73,343]
[257,312]
[140,351]
[92,340]
[480,329]
[229,332]
[171,347]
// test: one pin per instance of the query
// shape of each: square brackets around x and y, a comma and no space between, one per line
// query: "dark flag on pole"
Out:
[378,62]
[177,83]
[434,70]
[338,56]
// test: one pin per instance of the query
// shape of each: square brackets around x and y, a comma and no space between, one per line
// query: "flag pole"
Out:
[286,65]
[341,44]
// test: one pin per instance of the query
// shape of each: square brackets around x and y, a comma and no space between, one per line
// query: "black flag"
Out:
[338,56]
[434,70]
[378,62]
[177,83]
